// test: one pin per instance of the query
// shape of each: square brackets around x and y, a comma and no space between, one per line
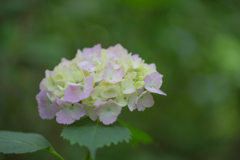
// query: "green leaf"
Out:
[138,136]
[17,142]
[95,135]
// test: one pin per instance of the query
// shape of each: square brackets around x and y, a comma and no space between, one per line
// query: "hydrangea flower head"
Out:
[98,83]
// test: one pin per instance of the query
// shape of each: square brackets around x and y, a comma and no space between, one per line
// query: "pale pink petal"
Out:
[45,112]
[41,85]
[121,72]
[64,116]
[108,112]
[147,100]
[87,66]
[112,53]
[115,108]
[88,87]
[97,48]
[87,52]
[154,90]
[152,66]
[69,114]
[88,83]
[135,56]
[44,103]
[153,82]
[111,75]
[132,102]
[55,106]
[108,71]
[77,111]
[73,93]
[107,118]
[111,60]
[92,54]
[140,107]
[85,95]
[118,49]
[147,80]
[47,73]
[156,79]
[64,60]
[117,76]
[162,93]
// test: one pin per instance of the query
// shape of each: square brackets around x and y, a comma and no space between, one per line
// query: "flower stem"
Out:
[87,155]
[53,152]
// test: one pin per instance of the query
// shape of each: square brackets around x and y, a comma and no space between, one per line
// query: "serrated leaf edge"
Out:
[108,145]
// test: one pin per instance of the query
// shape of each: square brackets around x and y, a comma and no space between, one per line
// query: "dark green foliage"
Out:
[17,142]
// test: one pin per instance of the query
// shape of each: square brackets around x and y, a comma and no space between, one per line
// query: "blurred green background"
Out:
[195,45]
